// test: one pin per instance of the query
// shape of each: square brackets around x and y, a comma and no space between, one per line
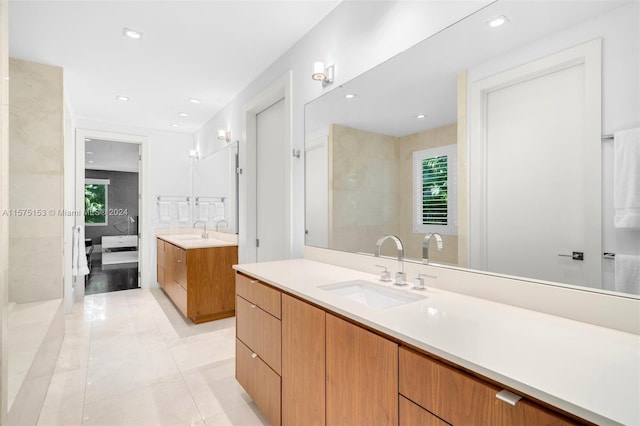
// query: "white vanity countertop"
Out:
[195,241]
[590,371]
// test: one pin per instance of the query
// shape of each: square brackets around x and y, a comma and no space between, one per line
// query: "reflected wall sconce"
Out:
[224,135]
[320,73]
[194,153]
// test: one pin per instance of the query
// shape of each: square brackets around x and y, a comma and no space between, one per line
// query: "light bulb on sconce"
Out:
[224,135]
[320,73]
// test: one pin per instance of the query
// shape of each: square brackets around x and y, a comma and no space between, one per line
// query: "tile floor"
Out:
[129,358]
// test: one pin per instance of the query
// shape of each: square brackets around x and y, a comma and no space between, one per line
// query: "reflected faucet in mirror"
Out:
[400,275]
[204,232]
[425,246]
[218,224]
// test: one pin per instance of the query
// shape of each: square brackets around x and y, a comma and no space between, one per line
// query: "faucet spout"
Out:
[218,223]
[400,275]
[204,232]
[425,246]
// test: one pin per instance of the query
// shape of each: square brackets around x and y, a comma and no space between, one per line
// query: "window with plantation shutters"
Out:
[434,190]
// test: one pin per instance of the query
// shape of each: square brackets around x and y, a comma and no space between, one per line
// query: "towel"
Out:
[183,211]
[627,273]
[163,212]
[78,255]
[218,213]
[203,211]
[626,179]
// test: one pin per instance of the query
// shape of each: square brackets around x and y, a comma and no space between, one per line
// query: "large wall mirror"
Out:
[497,137]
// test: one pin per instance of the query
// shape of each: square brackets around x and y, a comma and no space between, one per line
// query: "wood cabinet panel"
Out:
[413,415]
[160,251]
[362,376]
[461,399]
[260,382]
[259,294]
[260,331]
[181,266]
[303,363]
[160,276]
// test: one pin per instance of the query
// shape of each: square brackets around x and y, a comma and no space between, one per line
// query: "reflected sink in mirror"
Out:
[372,295]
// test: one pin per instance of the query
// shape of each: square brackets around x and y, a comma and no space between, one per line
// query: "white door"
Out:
[271,183]
[317,193]
[542,175]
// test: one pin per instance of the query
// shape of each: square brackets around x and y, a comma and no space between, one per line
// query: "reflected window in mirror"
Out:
[434,189]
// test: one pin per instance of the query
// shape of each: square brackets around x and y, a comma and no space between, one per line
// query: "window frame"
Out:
[105,183]
[451,228]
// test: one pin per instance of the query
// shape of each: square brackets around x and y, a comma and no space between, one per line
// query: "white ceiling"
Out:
[208,49]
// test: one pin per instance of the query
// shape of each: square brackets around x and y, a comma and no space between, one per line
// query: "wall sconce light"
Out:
[194,153]
[320,73]
[224,135]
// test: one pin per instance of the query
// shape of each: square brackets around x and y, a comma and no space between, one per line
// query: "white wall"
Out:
[168,173]
[620,33]
[354,37]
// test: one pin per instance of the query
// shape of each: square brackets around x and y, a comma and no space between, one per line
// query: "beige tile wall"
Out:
[36,181]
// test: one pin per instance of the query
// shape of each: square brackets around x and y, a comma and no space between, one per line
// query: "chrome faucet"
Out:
[425,246]
[400,275]
[204,232]
[218,223]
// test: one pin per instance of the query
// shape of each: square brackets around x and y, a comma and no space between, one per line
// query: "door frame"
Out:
[281,88]
[143,248]
[588,54]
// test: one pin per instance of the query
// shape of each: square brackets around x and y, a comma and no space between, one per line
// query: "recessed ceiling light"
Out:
[194,101]
[497,21]
[350,96]
[136,35]
[183,114]
[175,125]
[89,153]
[90,161]
[420,116]
[122,98]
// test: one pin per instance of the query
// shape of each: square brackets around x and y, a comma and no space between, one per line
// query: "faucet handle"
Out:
[401,279]
[385,275]
[418,282]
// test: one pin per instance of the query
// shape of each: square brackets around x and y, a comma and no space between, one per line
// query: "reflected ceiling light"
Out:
[91,161]
[122,98]
[89,153]
[350,96]
[183,114]
[87,140]
[194,153]
[136,35]
[175,125]
[497,21]
[194,101]
[224,135]
[420,116]
[320,73]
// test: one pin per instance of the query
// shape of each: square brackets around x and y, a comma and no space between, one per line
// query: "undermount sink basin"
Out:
[371,294]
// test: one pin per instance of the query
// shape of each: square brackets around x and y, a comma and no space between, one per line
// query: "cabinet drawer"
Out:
[461,399]
[260,331]
[259,294]
[414,415]
[260,382]
[178,294]
[161,276]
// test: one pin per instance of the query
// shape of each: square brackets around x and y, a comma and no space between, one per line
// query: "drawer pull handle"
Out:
[254,281]
[254,355]
[253,306]
[179,261]
[508,397]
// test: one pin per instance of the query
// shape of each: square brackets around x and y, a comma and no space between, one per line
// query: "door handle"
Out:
[576,255]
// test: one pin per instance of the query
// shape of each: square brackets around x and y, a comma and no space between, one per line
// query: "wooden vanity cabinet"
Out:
[461,399]
[362,376]
[200,282]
